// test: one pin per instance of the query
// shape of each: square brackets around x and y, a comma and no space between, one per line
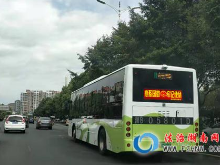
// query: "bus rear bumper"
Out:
[163,147]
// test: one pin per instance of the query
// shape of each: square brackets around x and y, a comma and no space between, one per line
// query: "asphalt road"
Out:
[54,147]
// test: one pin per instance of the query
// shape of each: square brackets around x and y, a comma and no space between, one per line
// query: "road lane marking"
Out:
[29,148]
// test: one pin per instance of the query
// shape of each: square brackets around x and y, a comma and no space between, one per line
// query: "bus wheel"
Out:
[74,134]
[102,142]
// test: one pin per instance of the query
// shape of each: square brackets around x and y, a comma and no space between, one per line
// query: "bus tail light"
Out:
[128,123]
[128,129]
[128,134]
[196,124]
[128,145]
[196,129]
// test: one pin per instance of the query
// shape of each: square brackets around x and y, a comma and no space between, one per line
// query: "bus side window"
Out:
[113,112]
[119,91]
[117,112]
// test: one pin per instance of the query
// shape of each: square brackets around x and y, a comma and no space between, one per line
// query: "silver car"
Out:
[44,122]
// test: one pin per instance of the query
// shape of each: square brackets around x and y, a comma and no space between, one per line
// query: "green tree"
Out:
[182,33]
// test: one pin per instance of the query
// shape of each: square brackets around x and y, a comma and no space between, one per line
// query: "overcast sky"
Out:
[40,39]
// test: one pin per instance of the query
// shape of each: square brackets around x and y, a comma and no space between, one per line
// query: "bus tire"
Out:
[74,134]
[102,142]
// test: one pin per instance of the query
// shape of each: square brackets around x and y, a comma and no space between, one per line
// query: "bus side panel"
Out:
[114,134]
[73,122]
[88,132]
[70,129]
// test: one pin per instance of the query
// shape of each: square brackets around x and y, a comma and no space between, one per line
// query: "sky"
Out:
[40,40]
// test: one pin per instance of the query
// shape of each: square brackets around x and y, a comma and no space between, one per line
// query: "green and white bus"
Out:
[112,110]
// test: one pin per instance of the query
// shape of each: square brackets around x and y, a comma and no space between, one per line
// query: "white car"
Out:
[14,123]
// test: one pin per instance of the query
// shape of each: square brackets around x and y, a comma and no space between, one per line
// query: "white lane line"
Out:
[217,156]
[29,148]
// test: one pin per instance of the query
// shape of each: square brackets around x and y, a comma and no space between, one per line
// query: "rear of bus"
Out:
[163,101]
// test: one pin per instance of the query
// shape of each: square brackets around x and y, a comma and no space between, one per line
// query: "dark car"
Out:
[44,122]
[31,120]
[26,121]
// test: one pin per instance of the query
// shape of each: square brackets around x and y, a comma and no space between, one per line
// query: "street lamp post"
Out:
[118,11]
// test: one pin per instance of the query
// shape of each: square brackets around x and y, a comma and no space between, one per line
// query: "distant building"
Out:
[37,97]
[66,81]
[4,107]
[51,94]
[30,100]
[24,103]
[18,106]
[11,106]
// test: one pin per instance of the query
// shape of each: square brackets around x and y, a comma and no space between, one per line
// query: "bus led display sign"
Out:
[162,76]
[162,94]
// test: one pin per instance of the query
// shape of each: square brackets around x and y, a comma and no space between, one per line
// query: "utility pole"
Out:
[118,11]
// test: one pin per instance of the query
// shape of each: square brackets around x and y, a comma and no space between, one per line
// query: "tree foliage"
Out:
[182,33]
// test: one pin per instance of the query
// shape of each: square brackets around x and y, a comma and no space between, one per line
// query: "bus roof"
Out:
[164,66]
[147,66]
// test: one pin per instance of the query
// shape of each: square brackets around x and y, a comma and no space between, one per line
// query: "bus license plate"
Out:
[162,120]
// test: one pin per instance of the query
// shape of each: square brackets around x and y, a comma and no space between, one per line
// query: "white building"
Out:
[4,107]
[51,93]
[37,97]
[24,103]
[30,100]
[18,106]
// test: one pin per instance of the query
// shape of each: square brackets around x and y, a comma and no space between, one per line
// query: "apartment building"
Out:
[11,106]
[18,106]
[4,107]
[37,97]
[24,103]
[31,99]
[51,94]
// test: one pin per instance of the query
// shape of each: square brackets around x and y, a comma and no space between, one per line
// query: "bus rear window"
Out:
[162,86]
